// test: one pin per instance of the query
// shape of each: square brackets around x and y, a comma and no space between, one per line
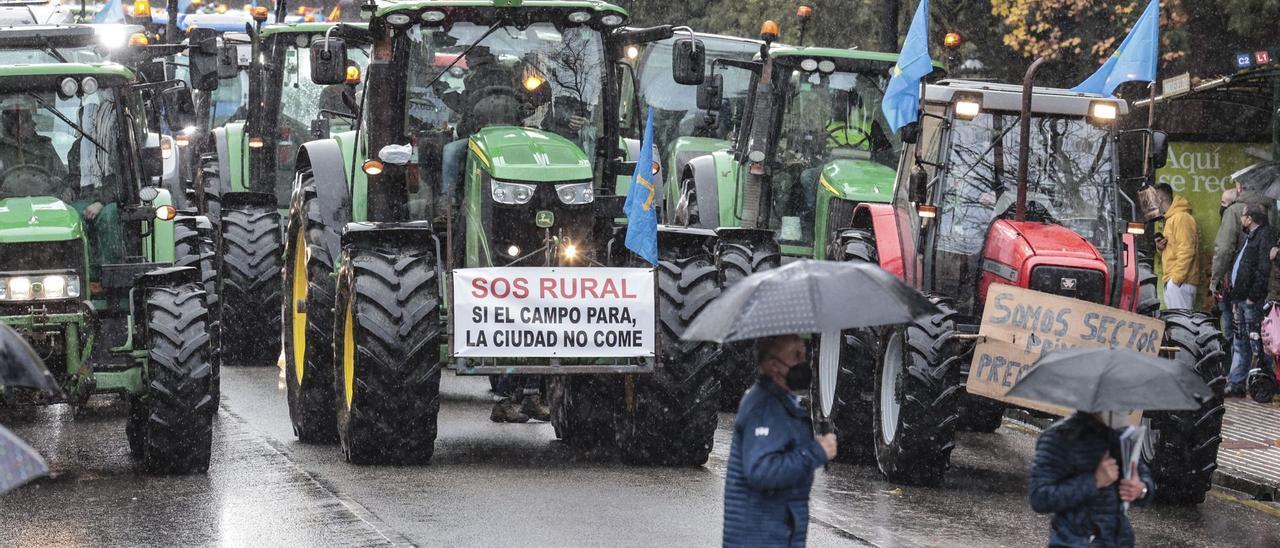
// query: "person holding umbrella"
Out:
[1079,472]
[774,451]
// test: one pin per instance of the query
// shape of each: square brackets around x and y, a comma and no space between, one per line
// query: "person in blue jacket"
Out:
[774,452]
[1075,477]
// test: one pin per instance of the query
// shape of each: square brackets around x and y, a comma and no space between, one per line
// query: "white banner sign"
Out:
[539,312]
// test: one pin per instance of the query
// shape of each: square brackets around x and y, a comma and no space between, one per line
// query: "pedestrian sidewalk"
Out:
[1249,457]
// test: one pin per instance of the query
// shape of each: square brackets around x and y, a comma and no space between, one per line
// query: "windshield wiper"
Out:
[461,56]
[52,51]
[67,121]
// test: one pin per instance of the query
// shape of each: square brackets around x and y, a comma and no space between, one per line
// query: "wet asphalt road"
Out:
[509,485]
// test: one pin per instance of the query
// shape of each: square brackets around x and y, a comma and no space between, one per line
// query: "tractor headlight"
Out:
[575,193]
[40,287]
[512,193]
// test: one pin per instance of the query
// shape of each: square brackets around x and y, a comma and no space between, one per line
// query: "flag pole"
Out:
[1146,144]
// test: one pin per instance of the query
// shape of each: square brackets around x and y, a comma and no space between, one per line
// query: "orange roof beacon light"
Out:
[353,75]
[952,40]
[138,39]
[769,31]
[222,8]
[260,13]
[804,12]
[141,8]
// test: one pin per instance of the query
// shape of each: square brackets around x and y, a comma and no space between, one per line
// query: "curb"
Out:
[1234,480]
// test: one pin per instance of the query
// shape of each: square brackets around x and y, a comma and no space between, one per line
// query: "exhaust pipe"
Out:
[1024,138]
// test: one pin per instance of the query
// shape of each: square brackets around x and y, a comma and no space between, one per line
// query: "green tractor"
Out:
[489,141]
[102,276]
[245,173]
[811,146]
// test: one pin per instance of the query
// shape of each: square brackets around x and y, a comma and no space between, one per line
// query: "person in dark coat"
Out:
[1248,278]
[774,453]
[1075,477]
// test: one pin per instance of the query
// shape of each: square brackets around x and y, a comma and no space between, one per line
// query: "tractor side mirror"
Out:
[329,61]
[228,62]
[148,194]
[179,107]
[687,58]
[203,59]
[1158,154]
[911,133]
[711,93]
[918,185]
[152,158]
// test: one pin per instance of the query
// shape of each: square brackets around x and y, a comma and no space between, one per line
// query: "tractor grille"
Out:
[64,255]
[1077,283]
[840,214]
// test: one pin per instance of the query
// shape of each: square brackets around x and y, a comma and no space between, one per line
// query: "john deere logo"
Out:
[1068,283]
[544,219]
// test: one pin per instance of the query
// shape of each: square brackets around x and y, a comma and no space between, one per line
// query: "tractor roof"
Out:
[67,69]
[54,35]
[1008,97]
[838,53]
[309,28]
[566,5]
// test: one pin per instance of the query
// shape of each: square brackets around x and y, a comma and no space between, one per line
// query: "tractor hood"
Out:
[1042,240]
[858,180]
[529,155]
[38,219]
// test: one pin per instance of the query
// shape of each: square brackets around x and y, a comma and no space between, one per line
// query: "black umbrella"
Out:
[19,463]
[1262,176]
[1095,380]
[21,366]
[808,297]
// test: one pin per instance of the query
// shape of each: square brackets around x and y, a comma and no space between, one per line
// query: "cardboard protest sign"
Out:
[1019,325]
[553,312]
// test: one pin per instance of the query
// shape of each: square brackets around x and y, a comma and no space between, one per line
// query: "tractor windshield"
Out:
[1070,179]
[64,148]
[675,110]
[539,76]
[826,117]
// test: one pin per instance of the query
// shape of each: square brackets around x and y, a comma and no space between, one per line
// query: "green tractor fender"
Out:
[232,149]
[707,190]
[325,161]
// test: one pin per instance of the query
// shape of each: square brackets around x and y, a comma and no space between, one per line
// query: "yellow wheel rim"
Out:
[349,355]
[299,315]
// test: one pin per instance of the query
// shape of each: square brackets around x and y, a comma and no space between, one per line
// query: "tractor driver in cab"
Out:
[29,165]
[487,99]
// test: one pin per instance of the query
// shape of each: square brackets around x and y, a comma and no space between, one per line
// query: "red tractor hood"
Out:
[1038,239]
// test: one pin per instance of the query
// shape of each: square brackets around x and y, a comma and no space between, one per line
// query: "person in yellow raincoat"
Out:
[1179,259]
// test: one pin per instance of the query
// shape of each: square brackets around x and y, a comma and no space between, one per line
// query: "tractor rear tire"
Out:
[388,336]
[582,409]
[251,284]
[1186,442]
[177,435]
[672,421]
[307,318]
[917,406]
[737,260]
[852,414]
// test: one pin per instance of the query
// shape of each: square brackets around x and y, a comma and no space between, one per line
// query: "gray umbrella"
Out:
[21,366]
[1103,379]
[19,463]
[1263,176]
[808,297]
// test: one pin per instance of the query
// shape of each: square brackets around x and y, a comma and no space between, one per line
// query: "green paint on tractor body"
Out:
[529,155]
[38,219]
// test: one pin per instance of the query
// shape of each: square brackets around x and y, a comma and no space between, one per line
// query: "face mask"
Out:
[799,377]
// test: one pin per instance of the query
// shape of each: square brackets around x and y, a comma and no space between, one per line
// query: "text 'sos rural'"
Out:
[553,312]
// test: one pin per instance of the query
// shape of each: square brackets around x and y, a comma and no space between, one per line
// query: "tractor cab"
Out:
[1067,227]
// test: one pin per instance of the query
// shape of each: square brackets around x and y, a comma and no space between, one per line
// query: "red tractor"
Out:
[1002,185]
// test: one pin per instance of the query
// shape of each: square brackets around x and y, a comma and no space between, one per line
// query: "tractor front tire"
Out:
[388,336]
[251,284]
[194,247]
[1148,301]
[672,417]
[308,321]
[919,389]
[736,260]
[1186,442]
[177,434]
